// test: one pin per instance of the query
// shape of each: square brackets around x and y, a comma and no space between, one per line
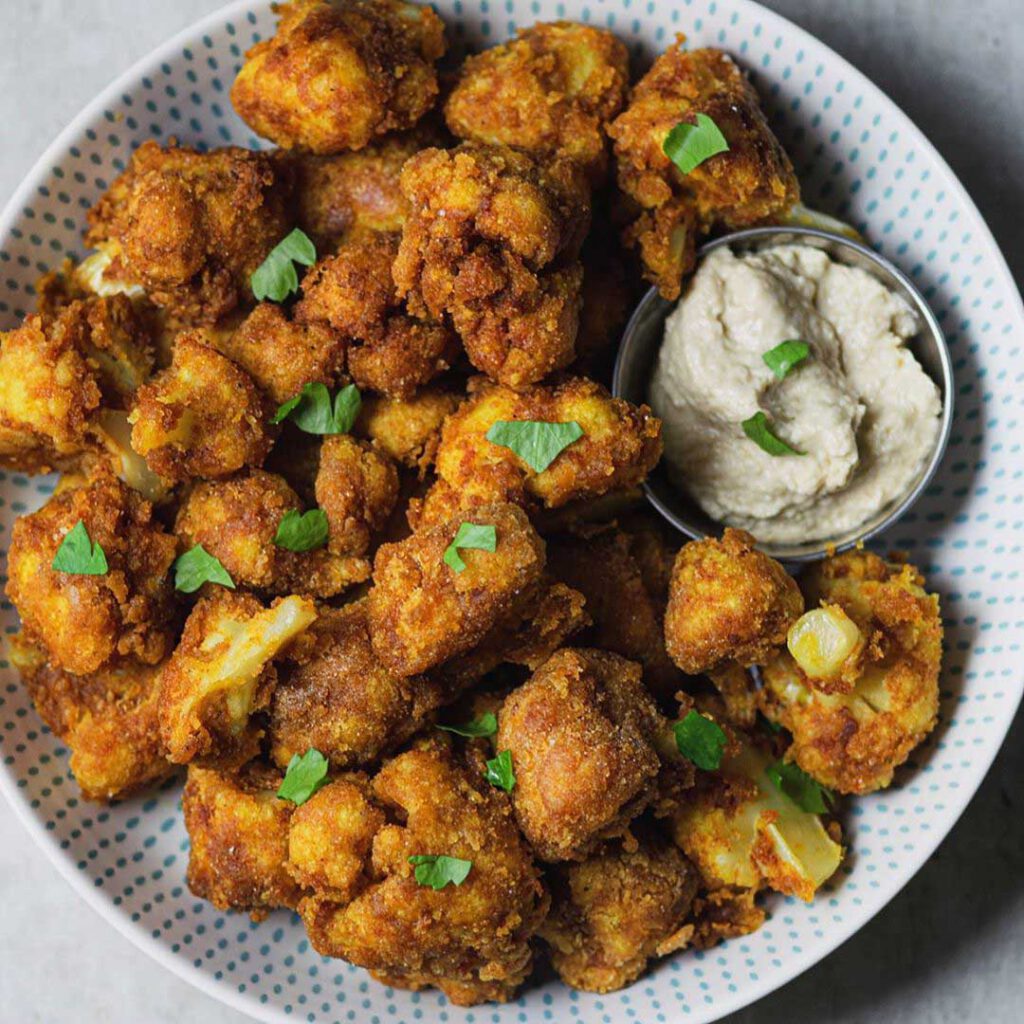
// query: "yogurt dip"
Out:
[858,413]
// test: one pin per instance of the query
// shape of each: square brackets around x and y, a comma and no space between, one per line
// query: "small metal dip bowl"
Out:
[638,352]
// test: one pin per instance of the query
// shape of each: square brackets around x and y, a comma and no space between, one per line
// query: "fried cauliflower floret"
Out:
[201,417]
[283,355]
[357,487]
[337,696]
[477,945]
[336,75]
[237,520]
[728,602]
[616,910]
[620,445]
[724,913]
[753,182]
[408,430]
[238,840]
[423,612]
[86,622]
[190,227]
[581,732]
[409,354]
[107,719]
[222,673]
[742,831]
[853,737]
[551,92]
[491,240]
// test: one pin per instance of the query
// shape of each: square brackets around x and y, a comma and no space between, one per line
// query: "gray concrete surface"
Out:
[950,948]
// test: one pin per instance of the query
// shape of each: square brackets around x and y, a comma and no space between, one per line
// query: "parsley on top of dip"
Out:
[791,405]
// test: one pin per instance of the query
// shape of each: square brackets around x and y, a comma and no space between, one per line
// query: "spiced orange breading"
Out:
[582,733]
[750,183]
[409,429]
[337,74]
[237,520]
[551,91]
[471,940]
[201,417]
[491,240]
[616,910]
[238,840]
[190,227]
[85,622]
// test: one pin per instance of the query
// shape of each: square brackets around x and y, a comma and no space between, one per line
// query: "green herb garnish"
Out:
[469,535]
[196,567]
[78,555]
[760,432]
[311,409]
[689,145]
[807,793]
[537,443]
[485,725]
[437,870]
[700,740]
[275,278]
[305,775]
[302,531]
[781,359]
[499,771]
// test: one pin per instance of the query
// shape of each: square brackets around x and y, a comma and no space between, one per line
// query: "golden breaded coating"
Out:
[221,674]
[408,430]
[551,91]
[238,839]
[471,940]
[724,913]
[728,602]
[491,240]
[107,719]
[357,487]
[620,445]
[201,417]
[236,521]
[853,741]
[753,182]
[87,622]
[190,227]
[283,355]
[335,75]
[337,696]
[423,612]
[408,355]
[613,912]
[581,731]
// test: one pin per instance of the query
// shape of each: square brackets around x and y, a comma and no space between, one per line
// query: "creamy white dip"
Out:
[859,406]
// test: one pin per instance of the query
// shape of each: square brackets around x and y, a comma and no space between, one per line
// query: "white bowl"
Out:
[858,157]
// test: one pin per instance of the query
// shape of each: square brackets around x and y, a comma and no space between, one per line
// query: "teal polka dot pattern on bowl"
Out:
[857,157]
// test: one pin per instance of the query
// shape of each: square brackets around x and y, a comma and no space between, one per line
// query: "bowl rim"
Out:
[930,325]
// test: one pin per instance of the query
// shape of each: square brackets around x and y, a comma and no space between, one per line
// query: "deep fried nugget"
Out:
[408,355]
[551,91]
[108,720]
[85,622]
[335,75]
[190,227]
[854,740]
[477,945]
[237,520]
[202,416]
[357,487]
[222,672]
[724,913]
[491,240]
[283,355]
[750,183]
[423,612]
[620,445]
[613,912]
[581,732]
[409,430]
[727,602]
[238,840]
